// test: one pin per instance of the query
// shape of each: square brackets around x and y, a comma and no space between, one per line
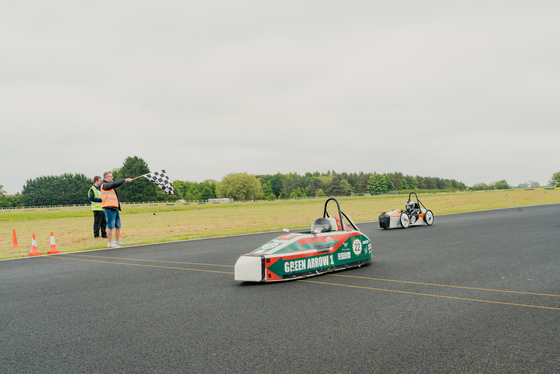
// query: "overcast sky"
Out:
[464,90]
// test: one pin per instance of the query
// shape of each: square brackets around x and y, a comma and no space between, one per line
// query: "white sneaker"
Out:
[113,245]
[119,242]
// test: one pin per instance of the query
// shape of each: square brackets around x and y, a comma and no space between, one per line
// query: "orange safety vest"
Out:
[109,198]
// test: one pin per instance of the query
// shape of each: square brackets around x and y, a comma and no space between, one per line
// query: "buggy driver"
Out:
[411,211]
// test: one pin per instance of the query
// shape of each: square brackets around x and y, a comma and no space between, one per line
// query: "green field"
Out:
[156,223]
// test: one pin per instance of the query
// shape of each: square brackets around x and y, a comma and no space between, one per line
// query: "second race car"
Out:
[413,214]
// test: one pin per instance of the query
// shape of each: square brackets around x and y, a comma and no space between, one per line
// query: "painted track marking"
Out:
[67,257]
[445,285]
[142,265]
[430,295]
[163,261]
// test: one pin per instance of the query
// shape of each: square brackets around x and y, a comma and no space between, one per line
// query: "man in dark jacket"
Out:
[99,221]
[111,207]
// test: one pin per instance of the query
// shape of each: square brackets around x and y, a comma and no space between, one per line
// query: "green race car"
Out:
[329,246]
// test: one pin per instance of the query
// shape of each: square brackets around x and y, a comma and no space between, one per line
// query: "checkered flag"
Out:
[162,181]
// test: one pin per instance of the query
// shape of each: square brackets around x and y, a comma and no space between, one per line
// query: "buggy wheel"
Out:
[405,221]
[429,217]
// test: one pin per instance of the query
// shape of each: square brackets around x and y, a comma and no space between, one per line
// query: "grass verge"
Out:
[156,223]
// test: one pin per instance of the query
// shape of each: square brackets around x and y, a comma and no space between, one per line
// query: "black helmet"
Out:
[321,225]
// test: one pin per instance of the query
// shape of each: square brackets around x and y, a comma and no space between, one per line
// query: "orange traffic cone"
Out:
[53,249]
[34,250]
[14,240]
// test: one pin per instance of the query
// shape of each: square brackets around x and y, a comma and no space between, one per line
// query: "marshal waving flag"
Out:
[162,180]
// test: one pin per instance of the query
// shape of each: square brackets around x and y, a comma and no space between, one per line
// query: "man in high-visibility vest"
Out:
[111,206]
[99,221]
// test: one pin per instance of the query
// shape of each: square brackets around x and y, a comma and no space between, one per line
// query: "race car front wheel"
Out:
[429,217]
[405,221]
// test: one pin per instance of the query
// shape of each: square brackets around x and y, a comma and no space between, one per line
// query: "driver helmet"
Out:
[321,225]
[409,205]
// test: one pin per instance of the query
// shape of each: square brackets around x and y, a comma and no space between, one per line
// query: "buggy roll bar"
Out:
[417,199]
[340,214]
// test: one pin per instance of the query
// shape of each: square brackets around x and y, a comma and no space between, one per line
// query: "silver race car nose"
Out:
[248,269]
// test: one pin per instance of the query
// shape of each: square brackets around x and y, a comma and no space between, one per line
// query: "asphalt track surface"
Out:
[474,293]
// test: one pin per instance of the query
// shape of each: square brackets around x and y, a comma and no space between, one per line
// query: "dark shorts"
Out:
[113,218]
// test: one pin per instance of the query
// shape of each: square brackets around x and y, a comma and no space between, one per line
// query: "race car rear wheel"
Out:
[429,217]
[405,221]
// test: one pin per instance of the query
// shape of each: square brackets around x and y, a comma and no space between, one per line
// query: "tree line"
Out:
[70,189]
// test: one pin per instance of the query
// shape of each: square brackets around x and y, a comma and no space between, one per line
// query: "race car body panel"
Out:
[301,255]
[249,268]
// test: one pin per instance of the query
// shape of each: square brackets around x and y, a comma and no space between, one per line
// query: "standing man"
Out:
[111,206]
[99,222]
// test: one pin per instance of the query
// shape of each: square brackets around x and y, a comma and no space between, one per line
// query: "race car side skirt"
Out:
[326,270]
